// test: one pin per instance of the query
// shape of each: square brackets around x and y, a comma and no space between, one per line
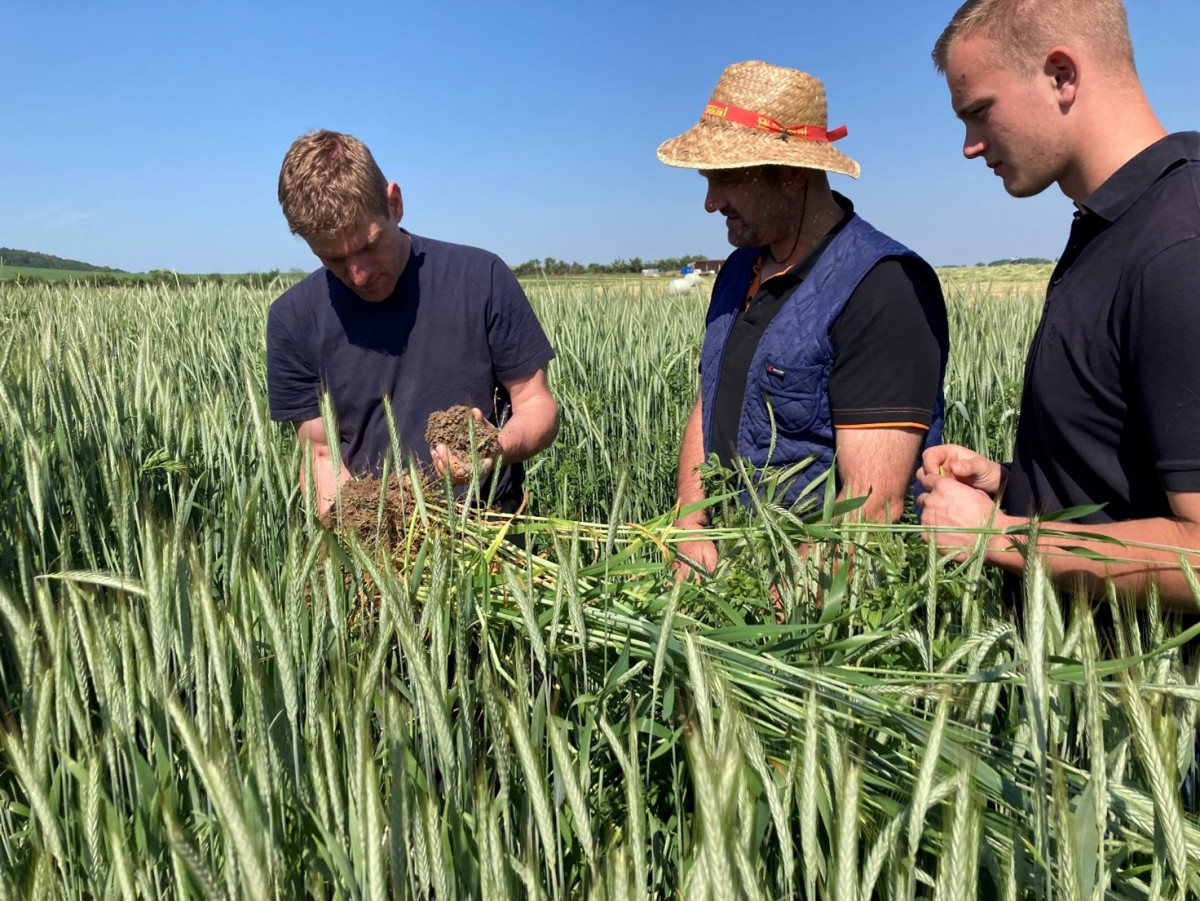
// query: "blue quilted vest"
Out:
[790,369]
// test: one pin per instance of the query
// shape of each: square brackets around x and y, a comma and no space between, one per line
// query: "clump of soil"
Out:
[386,521]
[387,528]
[453,428]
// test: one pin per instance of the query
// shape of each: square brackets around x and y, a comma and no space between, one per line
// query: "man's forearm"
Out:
[530,429]
[325,480]
[1072,559]
[689,487]
[312,437]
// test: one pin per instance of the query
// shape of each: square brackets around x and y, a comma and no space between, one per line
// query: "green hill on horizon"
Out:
[32,259]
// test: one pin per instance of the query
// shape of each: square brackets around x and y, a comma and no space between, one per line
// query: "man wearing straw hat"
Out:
[825,338]
[1110,409]
[395,316]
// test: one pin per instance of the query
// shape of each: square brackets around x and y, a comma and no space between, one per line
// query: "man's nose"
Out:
[973,144]
[360,272]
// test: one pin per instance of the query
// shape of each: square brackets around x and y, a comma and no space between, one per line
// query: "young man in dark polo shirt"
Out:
[824,336]
[395,318]
[1110,412]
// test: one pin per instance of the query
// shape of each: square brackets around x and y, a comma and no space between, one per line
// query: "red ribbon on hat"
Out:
[773,126]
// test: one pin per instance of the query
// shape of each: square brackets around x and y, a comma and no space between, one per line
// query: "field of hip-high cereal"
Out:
[205,692]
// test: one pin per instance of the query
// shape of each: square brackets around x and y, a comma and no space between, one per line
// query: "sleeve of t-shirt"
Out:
[518,345]
[889,345]
[292,379]
[1164,338]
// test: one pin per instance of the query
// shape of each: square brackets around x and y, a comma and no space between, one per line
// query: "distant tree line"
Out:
[31,258]
[634,266]
[272,279]
[551,266]
[1016,261]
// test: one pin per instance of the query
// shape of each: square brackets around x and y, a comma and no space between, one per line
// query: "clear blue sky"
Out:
[149,134]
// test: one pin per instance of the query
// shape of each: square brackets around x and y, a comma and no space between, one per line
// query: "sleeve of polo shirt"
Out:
[293,389]
[1165,352]
[889,345]
[518,345]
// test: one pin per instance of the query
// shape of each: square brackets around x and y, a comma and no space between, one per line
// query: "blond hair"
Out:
[1023,32]
[329,184]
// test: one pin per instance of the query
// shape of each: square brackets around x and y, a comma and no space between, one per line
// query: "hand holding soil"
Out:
[448,433]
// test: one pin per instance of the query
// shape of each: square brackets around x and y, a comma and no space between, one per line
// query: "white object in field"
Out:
[679,286]
[692,278]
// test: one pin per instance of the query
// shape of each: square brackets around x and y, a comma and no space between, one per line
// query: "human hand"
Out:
[962,465]
[948,503]
[694,559]
[460,471]
[776,598]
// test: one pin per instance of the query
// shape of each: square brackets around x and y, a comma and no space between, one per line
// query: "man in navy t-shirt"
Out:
[392,317]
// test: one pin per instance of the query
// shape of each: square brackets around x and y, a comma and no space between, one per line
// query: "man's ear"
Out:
[1062,68]
[395,201]
[793,178]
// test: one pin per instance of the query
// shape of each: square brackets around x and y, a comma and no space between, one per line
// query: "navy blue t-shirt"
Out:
[456,327]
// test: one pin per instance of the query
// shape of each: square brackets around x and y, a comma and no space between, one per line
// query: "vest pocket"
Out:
[795,396]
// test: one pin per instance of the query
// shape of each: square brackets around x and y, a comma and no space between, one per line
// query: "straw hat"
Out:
[761,115]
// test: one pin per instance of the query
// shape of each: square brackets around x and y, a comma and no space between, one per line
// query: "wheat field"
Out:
[204,693]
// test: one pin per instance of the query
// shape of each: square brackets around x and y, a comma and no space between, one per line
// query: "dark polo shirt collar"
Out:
[1123,188]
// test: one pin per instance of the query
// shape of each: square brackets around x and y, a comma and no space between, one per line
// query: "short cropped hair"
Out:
[1023,32]
[329,184]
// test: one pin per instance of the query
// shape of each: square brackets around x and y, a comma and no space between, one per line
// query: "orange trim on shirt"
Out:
[886,425]
[756,282]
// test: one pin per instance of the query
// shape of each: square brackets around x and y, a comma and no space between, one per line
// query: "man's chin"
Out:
[1021,189]
[739,238]
[372,294]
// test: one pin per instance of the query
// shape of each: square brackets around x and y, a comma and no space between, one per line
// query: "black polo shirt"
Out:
[1110,410]
[888,342]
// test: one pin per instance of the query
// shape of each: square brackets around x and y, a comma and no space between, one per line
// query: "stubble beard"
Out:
[773,222]
[743,234]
